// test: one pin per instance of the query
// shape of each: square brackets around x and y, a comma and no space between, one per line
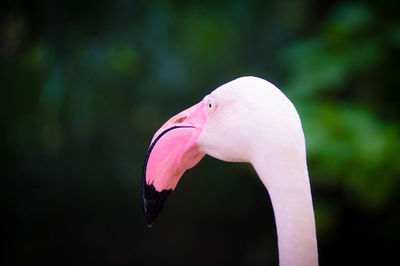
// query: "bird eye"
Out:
[211,104]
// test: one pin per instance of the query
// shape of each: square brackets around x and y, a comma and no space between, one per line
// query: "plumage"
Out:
[245,120]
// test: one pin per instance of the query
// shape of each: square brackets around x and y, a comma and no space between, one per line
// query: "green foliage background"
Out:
[85,84]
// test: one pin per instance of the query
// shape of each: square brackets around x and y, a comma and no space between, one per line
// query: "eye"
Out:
[210,104]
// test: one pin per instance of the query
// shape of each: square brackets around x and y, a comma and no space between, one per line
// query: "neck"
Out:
[288,185]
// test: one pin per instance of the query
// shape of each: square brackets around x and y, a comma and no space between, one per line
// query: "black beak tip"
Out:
[149,221]
[153,202]
[150,215]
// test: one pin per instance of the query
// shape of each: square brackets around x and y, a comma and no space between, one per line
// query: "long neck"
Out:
[288,185]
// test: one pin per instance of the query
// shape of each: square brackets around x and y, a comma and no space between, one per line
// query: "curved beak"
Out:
[172,151]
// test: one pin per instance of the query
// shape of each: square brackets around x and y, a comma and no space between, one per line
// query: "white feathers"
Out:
[253,121]
[249,112]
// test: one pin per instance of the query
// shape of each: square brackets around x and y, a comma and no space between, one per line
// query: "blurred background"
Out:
[85,85]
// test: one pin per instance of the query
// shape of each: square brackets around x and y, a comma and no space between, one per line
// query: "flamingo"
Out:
[245,120]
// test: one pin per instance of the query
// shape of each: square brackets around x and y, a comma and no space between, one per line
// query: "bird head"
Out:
[232,123]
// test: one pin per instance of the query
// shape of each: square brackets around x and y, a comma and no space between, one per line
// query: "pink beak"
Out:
[172,151]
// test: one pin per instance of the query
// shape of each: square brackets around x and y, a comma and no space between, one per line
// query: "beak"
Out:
[172,151]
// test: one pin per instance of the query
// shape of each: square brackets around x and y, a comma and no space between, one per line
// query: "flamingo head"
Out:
[231,124]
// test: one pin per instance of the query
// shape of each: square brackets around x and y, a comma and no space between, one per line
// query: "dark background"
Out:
[85,85]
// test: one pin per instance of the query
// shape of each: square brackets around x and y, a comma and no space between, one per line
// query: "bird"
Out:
[245,120]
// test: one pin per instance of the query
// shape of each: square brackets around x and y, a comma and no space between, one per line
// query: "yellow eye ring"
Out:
[210,104]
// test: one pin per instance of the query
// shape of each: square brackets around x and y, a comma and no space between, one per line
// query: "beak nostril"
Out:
[180,120]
